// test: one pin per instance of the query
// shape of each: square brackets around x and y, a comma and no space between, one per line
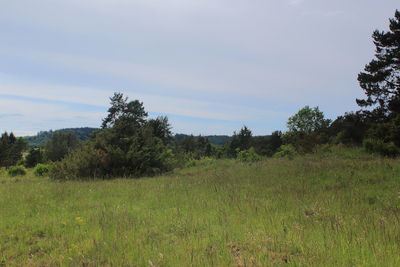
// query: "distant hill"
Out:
[218,140]
[84,134]
[42,137]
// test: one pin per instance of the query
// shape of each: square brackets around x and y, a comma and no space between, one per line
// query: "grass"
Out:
[320,210]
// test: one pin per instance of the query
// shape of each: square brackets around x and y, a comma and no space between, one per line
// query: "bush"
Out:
[388,149]
[41,170]
[150,157]
[85,162]
[16,171]
[286,151]
[248,155]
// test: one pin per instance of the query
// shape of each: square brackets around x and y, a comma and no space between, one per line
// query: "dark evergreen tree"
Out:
[161,129]
[349,129]
[381,79]
[34,157]
[123,116]
[128,145]
[239,141]
[244,138]
[60,144]
[11,149]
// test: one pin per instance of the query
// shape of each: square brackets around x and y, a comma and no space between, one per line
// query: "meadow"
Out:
[330,209]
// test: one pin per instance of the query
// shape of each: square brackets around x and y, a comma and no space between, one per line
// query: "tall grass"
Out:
[310,211]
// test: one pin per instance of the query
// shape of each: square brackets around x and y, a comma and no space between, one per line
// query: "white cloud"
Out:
[296,2]
[230,60]
[153,103]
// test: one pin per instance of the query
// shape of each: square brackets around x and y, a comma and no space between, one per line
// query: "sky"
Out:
[211,66]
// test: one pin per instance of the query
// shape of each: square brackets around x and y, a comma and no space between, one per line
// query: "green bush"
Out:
[16,171]
[248,155]
[151,157]
[41,169]
[388,149]
[286,151]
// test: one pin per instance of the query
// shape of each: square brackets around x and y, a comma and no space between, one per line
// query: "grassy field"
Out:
[332,210]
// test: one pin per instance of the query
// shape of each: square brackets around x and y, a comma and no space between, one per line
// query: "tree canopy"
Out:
[307,120]
[11,149]
[381,77]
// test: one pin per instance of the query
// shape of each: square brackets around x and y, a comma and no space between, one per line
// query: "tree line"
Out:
[129,144]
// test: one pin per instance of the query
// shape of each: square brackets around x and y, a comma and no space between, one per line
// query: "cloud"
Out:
[296,2]
[93,97]
[231,62]
[8,115]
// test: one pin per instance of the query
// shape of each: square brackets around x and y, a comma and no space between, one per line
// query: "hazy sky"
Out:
[210,65]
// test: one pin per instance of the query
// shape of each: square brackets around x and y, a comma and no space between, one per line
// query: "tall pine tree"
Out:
[381,79]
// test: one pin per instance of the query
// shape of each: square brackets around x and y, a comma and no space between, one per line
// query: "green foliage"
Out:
[11,149]
[286,151]
[378,146]
[307,120]
[85,162]
[380,81]
[248,155]
[34,157]
[217,140]
[307,129]
[239,141]
[267,145]
[41,169]
[349,129]
[196,147]
[127,146]
[16,171]
[386,131]
[161,129]
[123,116]
[60,144]
[41,138]
[384,138]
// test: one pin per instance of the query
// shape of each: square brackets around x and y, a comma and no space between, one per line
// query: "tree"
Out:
[128,145]
[307,120]
[349,129]
[239,141]
[161,128]
[123,116]
[381,79]
[307,128]
[11,149]
[267,145]
[34,157]
[60,144]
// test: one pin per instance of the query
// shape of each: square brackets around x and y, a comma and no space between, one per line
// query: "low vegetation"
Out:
[338,208]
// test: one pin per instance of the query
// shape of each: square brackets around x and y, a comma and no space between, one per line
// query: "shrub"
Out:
[88,162]
[41,169]
[85,162]
[388,149]
[286,151]
[248,155]
[16,171]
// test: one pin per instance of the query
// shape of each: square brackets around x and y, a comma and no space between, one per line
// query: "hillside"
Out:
[339,209]
[83,134]
[42,137]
